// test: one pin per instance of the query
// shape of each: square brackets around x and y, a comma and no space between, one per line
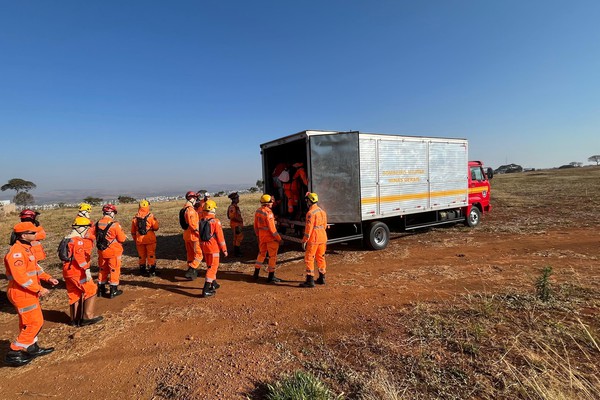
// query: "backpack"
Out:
[101,241]
[184,224]
[63,250]
[205,234]
[13,238]
[142,224]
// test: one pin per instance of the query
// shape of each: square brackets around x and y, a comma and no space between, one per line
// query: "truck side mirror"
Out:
[490,173]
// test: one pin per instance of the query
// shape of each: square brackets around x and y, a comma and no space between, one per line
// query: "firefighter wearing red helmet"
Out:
[110,251]
[191,236]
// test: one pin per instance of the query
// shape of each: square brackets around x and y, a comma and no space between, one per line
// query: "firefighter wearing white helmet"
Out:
[268,237]
[314,241]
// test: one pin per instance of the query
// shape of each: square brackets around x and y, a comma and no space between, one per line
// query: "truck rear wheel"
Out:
[474,217]
[378,235]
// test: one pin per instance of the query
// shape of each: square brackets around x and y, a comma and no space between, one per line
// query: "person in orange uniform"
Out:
[24,291]
[191,236]
[28,215]
[212,248]
[299,185]
[269,239]
[143,226]
[236,222]
[314,241]
[109,259]
[81,288]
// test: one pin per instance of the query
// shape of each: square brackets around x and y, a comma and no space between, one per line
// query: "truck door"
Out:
[479,187]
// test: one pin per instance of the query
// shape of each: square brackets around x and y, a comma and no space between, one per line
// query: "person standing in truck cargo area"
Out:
[143,226]
[24,291]
[211,248]
[269,239]
[236,222]
[278,185]
[81,289]
[191,236]
[299,186]
[37,249]
[109,238]
[314,241]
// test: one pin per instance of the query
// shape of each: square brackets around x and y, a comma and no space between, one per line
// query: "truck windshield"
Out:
[476,174]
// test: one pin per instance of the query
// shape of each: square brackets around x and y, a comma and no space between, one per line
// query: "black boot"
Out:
[91,321]
[236,251]
[215,285]
[272,278]
[16,358]
[207,290]
[256,272]
[321,279]
[101,290]
[114,291]
[191,274]
[309,283]
[35,351]
[143,270]
[152,271]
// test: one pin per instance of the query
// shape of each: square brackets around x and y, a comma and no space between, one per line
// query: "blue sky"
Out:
[180,94]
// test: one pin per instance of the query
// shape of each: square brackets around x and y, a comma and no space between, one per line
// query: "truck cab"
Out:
[479,192]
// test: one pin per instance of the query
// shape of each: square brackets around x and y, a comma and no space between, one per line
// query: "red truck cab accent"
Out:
[479,191]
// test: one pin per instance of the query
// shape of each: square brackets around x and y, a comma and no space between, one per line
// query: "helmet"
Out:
[233,195]
[26,227]
[191,195]
[85,207]
[82,221]
[312,197]
[266,198]
[210,205]
[144,203]
[28,214]
[206,194]
[109,208]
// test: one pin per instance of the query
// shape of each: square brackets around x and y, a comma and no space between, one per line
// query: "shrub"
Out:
[300,386]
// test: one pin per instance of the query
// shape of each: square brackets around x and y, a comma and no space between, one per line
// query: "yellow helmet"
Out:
[312,197]
[210,205]
[85,207]
[82,221]
[266,198]
[144,203]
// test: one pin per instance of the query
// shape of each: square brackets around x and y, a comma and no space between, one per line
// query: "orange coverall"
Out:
[237,223]
[74,270]
[191,237]
[24,275]
[109,260]
[145,244]
[36,246]
[315,238]
[268,237]
[213,247]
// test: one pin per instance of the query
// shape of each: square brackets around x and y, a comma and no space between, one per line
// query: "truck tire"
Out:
[378,236]
[474,217]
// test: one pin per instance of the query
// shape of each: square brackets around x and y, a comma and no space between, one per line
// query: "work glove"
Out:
[303,245]
[88,275]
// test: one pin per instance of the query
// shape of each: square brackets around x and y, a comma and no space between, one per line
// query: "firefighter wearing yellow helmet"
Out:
[212,243]
[143,226]
[314,241]
[268,237]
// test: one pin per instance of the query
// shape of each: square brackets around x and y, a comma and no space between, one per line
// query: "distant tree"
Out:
[566,166]
[220,193]
[18,185]
[94,201]
[576,164]
[126,199]
[23,199]
[253,189]
[595,159]
[260,184]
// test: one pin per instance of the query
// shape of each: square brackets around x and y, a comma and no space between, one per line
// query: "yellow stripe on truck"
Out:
[411,196]
[479,189]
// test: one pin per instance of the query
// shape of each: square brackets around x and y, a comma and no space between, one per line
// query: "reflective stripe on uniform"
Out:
[28,283]
[31,273]
[84,280]
[83,264]
[28,308]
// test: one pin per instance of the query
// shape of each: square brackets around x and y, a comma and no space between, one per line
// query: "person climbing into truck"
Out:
[314,241]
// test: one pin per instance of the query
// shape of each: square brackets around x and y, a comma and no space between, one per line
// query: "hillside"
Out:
[441,313]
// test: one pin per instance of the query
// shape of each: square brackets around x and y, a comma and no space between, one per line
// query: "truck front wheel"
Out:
[474,217]
[378,236]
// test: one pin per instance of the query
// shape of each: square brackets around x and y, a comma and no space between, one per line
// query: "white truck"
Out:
[369,182]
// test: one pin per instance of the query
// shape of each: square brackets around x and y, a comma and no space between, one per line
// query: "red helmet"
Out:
[28,214]
[191,195]
[109,208]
